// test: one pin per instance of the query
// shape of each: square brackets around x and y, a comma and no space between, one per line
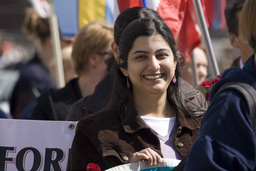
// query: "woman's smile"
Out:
[153,76]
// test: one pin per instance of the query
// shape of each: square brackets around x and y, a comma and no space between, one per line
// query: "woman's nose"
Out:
[153,64]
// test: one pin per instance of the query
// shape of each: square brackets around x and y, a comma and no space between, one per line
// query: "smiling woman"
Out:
[147,117]
[151,65]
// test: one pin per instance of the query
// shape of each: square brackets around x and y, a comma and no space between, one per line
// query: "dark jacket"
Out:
[95,102]
[107,139]
[33,81]
[100,98]
[55,105]
[226,140]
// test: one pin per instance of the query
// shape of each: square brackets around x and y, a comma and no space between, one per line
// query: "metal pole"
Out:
[56,46]
[206,38]
[196,81]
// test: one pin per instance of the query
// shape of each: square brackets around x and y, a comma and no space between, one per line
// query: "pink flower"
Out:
[93,167]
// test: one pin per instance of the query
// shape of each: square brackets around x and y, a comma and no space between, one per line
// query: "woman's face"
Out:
[150,65]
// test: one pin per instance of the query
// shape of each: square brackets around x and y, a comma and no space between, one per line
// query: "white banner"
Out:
[166,165]
[35,145]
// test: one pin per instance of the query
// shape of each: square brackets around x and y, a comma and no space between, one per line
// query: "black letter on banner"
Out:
[3,157]
[48,159]
[20,158]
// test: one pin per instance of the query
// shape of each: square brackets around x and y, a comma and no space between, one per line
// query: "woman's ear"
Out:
[123,70]
[233,40]
[175,64]
[115,49]
[93,60]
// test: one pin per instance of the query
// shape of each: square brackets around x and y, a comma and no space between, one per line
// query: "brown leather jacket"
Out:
[106,139]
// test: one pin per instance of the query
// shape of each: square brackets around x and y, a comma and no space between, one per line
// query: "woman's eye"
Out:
[140,57]
[162,55]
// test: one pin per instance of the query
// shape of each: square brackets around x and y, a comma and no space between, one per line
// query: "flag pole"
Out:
[206,38]
[196,81]
[60,82]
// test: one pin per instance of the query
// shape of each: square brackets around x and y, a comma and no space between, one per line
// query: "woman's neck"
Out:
[154,106]
[87,83]
[45,53]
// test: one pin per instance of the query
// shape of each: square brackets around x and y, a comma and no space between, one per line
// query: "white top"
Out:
[165,129]
[162,126]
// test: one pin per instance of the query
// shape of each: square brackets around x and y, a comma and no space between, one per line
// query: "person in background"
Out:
[147,117]
[91,50]
[69,74]
[100,98]
[201,62]
[195,70]
[237,40]
[35,77]
[226,140]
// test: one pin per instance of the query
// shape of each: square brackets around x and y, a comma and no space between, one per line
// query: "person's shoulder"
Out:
[231,75]
[103,119]
[194,98]
[188,89]
[66,92]
[77,110]
[32,72]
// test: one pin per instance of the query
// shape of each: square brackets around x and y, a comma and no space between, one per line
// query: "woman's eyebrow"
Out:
[142,51]
[163,50]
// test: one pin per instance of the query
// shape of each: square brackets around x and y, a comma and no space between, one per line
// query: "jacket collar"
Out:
[137,123]
[131,125]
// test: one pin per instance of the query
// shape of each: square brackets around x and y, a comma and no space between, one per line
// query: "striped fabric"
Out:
[179,15]
[73,14]
[215,13]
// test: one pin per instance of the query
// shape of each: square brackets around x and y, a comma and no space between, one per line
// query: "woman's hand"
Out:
[147,154]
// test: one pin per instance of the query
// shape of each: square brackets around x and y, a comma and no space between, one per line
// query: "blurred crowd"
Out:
[28,68]
[36,42]
[131,76]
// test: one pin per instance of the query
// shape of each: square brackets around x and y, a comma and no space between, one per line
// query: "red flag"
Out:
[172,12]
[189,36]
[124,4]
[179,15]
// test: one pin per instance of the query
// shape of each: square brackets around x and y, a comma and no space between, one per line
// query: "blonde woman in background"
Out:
[91,50]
